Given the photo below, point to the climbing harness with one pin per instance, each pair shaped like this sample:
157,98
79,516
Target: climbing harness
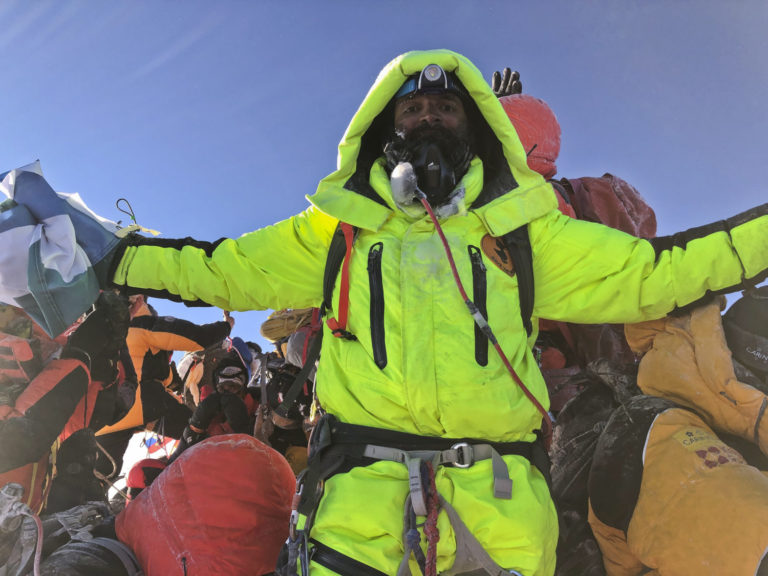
336,448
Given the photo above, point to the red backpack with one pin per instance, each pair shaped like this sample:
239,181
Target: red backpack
221,508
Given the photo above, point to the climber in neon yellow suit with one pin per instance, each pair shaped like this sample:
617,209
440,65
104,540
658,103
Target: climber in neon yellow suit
411,369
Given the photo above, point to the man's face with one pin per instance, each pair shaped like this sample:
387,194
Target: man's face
444,110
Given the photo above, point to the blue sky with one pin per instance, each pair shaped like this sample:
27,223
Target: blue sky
216,118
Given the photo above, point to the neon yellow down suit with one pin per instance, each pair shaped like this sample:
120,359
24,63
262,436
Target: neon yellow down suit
429,381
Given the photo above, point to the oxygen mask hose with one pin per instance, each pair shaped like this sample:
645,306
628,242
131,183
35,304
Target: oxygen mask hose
482,323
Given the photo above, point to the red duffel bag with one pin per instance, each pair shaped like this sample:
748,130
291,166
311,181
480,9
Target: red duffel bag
221,508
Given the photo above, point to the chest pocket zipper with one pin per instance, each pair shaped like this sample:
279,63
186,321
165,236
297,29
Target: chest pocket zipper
377,305
479,297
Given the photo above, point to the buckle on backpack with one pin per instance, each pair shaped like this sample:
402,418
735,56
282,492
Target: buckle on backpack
294,519
464,455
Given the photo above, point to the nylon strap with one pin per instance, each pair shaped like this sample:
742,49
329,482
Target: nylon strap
411,540
263,380
335,447
416,487
519,245
470,556
315,326
336,252
339,324
760,414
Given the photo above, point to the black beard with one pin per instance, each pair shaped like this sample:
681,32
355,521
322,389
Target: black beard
435,142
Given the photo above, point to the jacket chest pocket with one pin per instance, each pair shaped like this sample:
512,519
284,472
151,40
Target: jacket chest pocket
377,305
479,297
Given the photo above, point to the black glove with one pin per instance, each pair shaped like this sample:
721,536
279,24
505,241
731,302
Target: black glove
205,412
105,268
201,418
190,437
104,328
507,83
102,335
235,413
126,398
116,308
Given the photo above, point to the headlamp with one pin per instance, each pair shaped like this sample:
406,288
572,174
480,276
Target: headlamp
431,80
433,77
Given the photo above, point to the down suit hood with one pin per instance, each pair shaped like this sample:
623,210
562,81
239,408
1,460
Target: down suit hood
511,194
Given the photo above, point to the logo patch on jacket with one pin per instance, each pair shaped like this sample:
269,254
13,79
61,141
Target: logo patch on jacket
708,447
498,253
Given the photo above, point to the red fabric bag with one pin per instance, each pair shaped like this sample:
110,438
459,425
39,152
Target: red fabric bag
222,508
613,202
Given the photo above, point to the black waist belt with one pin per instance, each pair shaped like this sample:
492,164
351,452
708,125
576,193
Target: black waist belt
336,448
353,435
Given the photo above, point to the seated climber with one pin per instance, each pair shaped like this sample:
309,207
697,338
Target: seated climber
49,395
679,480
225,405
151,341
290,405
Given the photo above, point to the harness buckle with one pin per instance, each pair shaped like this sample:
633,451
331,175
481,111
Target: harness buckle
465,456
346,334
294,519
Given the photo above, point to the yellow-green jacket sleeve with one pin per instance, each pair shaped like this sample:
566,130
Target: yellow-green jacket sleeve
589,273
274,267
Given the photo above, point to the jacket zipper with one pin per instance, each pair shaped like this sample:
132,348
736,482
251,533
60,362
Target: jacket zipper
479,297
377,305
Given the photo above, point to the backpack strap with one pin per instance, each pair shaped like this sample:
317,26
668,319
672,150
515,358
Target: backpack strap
564,203
339,253
519,246
338,257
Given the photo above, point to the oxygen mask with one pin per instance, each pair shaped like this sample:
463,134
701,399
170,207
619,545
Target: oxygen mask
433,173
438,156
